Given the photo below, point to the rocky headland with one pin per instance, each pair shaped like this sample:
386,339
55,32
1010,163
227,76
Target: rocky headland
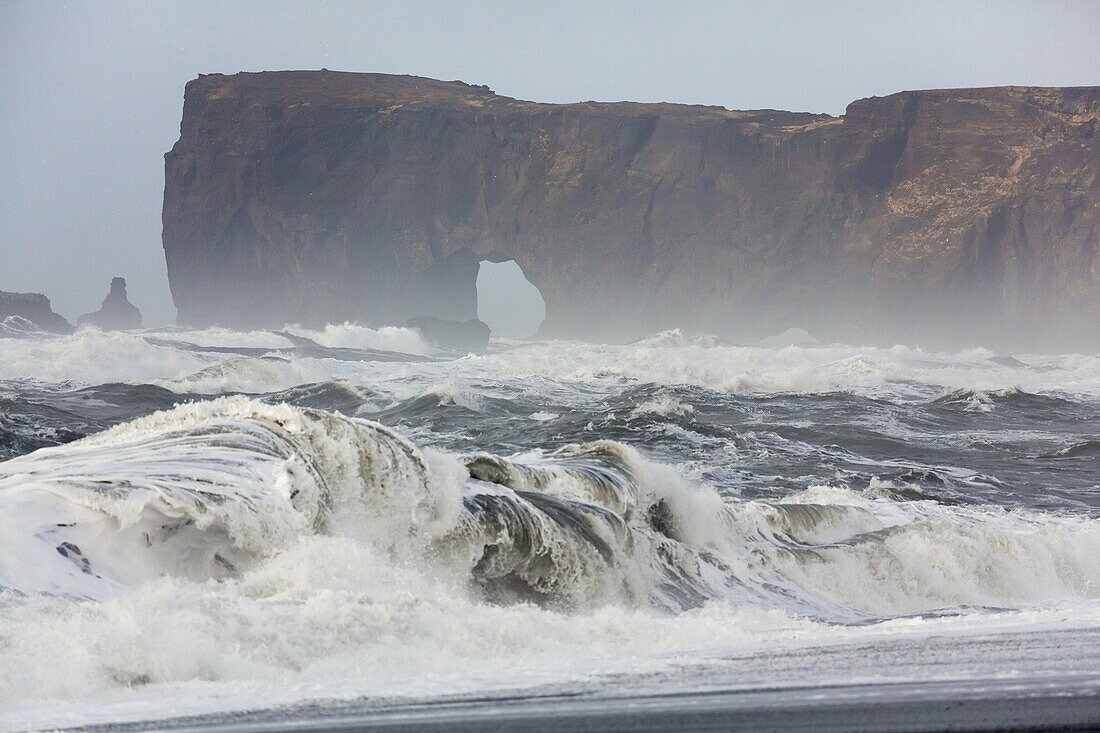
35,308
943,217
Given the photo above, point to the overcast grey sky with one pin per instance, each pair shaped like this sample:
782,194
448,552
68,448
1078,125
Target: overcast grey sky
91,92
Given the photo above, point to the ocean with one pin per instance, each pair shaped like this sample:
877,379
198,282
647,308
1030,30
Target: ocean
226,528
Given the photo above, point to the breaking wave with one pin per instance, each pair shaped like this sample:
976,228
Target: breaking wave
18,327
211,490
975,400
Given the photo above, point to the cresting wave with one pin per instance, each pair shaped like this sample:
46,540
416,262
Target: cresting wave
218,490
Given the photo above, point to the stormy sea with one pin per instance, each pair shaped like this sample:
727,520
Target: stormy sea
305,527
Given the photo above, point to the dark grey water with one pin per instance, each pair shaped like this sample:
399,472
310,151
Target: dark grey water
1009,448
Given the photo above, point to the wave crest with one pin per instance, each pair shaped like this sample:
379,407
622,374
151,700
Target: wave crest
213,489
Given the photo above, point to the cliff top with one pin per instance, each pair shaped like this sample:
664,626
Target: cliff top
341,89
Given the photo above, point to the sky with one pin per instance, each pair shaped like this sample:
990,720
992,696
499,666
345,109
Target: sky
506,301
91,93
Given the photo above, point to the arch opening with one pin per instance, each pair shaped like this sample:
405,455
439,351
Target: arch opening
507,301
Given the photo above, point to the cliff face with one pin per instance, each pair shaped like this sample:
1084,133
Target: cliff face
941,217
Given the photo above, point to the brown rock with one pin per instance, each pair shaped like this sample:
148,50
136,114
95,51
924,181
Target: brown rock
943,217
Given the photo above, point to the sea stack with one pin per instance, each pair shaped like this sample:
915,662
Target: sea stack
116,313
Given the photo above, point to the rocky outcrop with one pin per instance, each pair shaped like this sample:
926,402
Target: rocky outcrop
943,217
472,335
116,313
33,307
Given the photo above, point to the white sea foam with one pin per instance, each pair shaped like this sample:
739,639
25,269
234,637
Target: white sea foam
663,406
355,336
671,359
886,558
91,356
341,335
329,619
218,337
544,416
94,357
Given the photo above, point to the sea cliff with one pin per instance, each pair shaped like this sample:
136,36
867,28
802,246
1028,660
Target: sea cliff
943,217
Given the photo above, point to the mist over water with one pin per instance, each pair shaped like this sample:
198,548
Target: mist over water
211,520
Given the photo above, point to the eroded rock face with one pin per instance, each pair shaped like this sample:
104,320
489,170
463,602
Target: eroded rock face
943,217
116,313
33,307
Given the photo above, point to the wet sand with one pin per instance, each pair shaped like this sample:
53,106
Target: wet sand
984,705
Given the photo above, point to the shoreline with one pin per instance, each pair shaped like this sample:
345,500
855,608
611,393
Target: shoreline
980,705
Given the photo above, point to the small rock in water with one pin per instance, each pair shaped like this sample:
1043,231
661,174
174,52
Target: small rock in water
471,335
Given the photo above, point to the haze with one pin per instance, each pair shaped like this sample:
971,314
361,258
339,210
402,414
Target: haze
91,94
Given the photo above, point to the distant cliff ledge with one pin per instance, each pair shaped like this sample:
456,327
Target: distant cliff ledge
940,217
